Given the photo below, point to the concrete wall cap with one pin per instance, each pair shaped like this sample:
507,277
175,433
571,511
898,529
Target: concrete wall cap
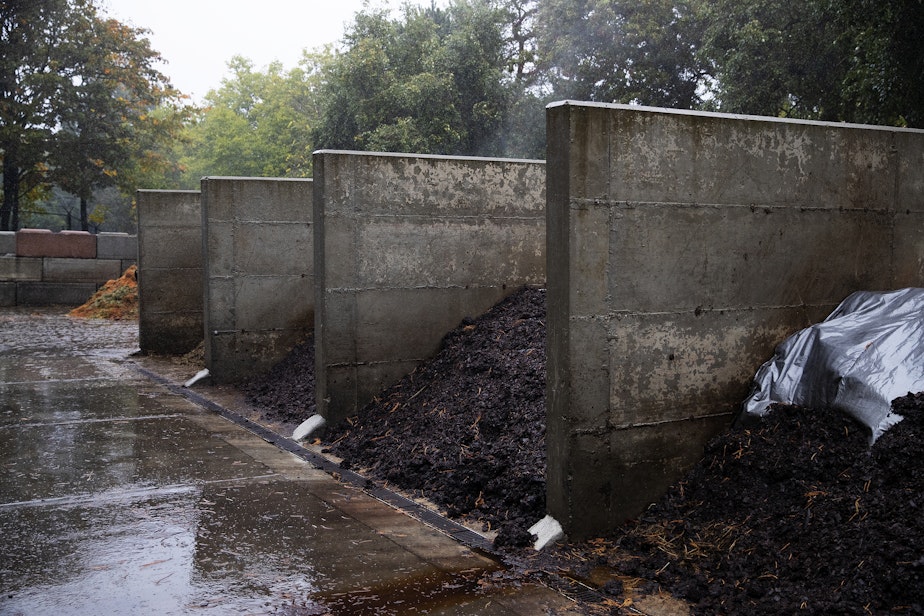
729,116
434,157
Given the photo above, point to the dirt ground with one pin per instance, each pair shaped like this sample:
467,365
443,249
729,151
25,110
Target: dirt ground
797,514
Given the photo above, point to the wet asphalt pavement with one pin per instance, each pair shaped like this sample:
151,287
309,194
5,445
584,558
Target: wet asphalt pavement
119,495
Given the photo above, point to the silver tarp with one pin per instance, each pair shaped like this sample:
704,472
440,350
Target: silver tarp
868,352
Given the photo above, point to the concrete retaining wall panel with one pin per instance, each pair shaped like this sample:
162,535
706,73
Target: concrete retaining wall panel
81,270
184,295
251,254
14,268
120,246
171,333
385,184
178,247
266,299
7,242
407,246
424,316
263,347
682,247
909,241
765,252
170,273
54,293
450,251
259,272
711,160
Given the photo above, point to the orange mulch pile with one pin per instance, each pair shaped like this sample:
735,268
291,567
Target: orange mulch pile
116,300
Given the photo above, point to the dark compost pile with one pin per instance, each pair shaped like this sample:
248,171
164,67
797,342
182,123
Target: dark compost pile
794,514
467,429
286,393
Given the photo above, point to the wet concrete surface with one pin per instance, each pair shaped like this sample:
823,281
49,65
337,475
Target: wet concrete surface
118,495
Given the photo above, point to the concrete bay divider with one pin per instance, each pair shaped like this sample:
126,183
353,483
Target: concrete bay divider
169,271
259,276
682,248
406,246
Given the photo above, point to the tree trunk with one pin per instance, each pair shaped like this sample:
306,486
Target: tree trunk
84,219
9,210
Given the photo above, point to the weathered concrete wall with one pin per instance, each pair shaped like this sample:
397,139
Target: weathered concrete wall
170,279
682,248
405,248
42,268
259,276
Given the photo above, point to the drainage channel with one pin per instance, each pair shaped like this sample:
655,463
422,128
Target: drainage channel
565,585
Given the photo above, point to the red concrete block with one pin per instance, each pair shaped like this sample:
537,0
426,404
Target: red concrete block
44,243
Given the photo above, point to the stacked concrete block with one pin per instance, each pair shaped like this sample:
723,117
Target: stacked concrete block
15,271
405,248
44,243
682,248
120,246
7,243
259,276
170,278
40,267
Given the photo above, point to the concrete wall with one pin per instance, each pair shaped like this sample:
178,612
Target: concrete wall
41,268
406,247
259,276
169,271
682,248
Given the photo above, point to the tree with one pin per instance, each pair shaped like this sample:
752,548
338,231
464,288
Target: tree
33,71
257,123
430,82
625,51
836,60
82,104
774,58
110,112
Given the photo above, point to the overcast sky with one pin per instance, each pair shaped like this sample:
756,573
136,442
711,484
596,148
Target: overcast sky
198,37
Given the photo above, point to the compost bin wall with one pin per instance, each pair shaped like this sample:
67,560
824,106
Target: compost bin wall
682,247
169,271
259,273
407,246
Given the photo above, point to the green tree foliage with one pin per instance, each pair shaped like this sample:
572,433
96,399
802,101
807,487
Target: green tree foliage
114,114
80,102
429,82
837,60
256,124
624,51
32,74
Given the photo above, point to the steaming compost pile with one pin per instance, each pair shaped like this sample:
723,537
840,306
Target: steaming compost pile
794,513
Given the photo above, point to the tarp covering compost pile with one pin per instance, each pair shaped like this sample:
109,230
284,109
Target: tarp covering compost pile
868,352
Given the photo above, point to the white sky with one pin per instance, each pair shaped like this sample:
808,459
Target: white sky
198,37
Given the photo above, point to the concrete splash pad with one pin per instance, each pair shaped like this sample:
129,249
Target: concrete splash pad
120,496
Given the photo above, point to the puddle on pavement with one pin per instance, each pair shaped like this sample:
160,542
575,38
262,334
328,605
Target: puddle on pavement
62,459
267,547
